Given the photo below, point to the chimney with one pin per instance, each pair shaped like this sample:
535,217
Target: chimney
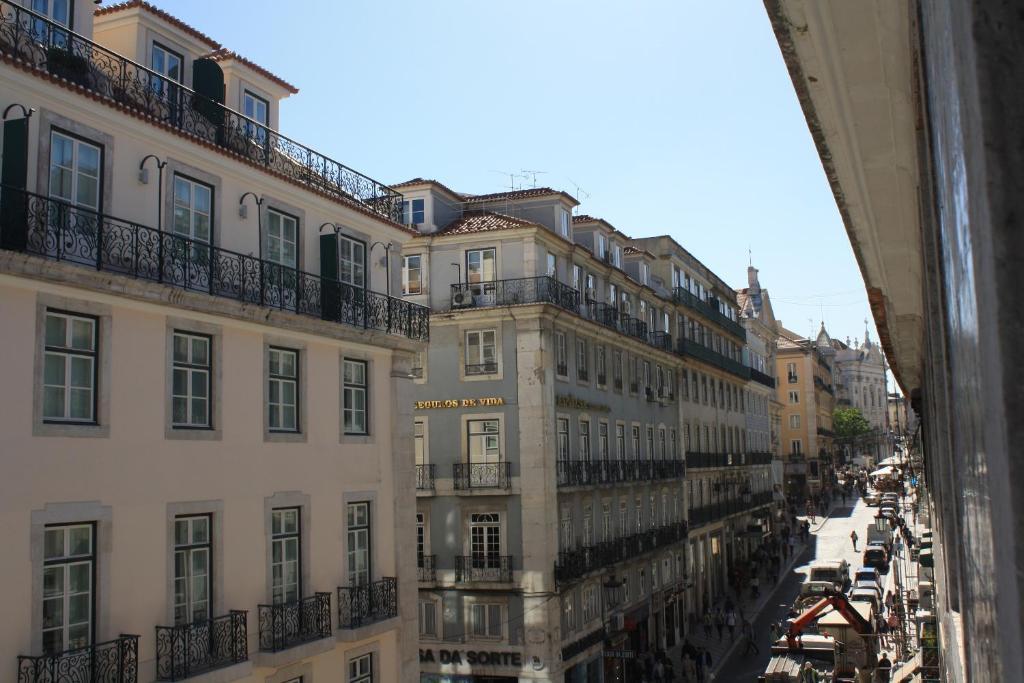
752,282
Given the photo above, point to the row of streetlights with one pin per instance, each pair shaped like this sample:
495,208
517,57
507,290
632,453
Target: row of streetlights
161,164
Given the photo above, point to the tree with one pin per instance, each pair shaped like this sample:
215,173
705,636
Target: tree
849,423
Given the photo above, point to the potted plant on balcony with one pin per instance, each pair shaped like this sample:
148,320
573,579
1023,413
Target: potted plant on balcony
60,61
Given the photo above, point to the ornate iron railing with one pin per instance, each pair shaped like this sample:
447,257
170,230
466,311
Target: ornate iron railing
487,568
713,512
426,568
288,624
525,290
762,378
476,475
368,603
187,650
115,661
602,313
661,340
52,48
820,383
685,298
482,368
688,347
574,564
425,477
61,231
600,472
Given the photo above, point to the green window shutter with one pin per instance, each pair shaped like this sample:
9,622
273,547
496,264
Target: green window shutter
14,175
330,287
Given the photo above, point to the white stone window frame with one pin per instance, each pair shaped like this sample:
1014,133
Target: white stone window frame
468,602
214,509
560,344
299,435
406,291
214,432
300,501
371,395
464,332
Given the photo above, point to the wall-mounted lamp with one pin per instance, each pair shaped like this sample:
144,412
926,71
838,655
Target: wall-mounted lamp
387,263
144,179
243,213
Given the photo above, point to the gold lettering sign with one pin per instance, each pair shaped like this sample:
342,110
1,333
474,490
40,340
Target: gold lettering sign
566,401
459,403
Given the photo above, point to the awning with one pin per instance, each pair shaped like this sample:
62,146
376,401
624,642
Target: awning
883,472
892,460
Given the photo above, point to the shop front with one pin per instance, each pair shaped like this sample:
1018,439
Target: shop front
445,665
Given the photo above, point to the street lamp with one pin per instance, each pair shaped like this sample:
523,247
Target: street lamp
387,262
144,179
259,217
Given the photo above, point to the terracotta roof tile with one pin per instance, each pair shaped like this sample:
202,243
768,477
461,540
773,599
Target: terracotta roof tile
223,54
517,194
584,218
428,181
170,19
485,221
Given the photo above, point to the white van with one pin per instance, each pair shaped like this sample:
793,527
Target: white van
836,571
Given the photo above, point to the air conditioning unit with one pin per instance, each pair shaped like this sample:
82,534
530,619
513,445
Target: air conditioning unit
462,299
487,299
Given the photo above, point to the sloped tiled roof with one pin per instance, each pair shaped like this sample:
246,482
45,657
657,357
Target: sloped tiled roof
156,11
223,54
485,221
428,181
517,194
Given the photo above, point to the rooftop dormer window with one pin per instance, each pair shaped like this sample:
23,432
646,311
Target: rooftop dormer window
58,11
602,247
616,255
414,212
563,225
643,273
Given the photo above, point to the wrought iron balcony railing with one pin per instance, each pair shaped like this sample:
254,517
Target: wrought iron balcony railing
52,48
188,650
368,603
762,378
661,340
820,383
482,475
426,568
688,347
601,472
525,290
702,460
709,311
288,624
425,477
574,564
483,568
55,229
712,512
115,661
602,313
482,368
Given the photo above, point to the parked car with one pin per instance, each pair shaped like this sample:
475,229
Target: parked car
867,595
867,575
836,571
872,498
868,586
876,556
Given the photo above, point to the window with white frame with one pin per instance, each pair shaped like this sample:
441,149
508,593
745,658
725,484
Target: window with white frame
662,446
794,397
577,277
75,166
481,358
601,363
563,439
57,11
69,367
352,256
428,619
485,540
193,212
419,441
569,610
481,269
169,65
485,620
617,368
360,669
585,440
796,446
552,269
602,440
191,380
635,432
582,366
794,422
69,580
606,521
412,274
589,603
623,517
484,441
566,538
358,530
282,239
355,397
285,562
256,108
561,355
563,223
650,443
283,390
192,568
620,441
414,212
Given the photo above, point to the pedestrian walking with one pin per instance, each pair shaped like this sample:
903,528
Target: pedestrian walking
703,663
719,623
707,623
883,670
890,599
853,537
730,621
808,674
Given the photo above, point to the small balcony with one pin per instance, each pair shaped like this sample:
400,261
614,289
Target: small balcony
582,374
115,661
426,568
762,378
482,475
513,292
483,568
289,624
489,368
709,311
188,650
425,477
367,604
661,340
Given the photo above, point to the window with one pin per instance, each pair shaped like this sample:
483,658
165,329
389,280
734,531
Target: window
69,368
795,446
639,513
791,372
428,619
601,246
606,521
191,375
485,540
360,669
650,443
58,11
358,523
647,375
193,209
285,583
552,270
673,444
481,267
581,360
564,223
283,390
566,539
168,64
75,171
352,254
484,441
620,441
589,604
576,277
569,611
355,397
421,539
662,445
617,369
601,362
69,570
480,352
602,440
623,517
413,212
191,569
794,397
561,359
563,439
412,267
257,109
282,239
794,422
485,620
585,440
636,442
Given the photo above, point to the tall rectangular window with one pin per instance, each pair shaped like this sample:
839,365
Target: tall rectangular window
563,223
650,443
662,446
601,363
360,669
421,539
481,268
606,521
69,570
69,368
191,380
561,355
585,440
563,439
582,366
480,352
412,278
282,239
169,65
413,212
358,524
75,166
419,442
485,540
485,620
354,397
617,368
636,442
577,278
285,562
283,390
192,569
794,397
552,269
352,255
193,210
484,440
794,422
428,619
258,109
602,440
620,441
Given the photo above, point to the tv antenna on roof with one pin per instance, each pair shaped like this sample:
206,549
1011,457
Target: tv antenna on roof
512,177
532,175
580,195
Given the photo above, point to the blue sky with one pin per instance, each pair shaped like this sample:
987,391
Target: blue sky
672,117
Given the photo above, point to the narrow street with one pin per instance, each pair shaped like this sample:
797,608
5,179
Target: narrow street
830,540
